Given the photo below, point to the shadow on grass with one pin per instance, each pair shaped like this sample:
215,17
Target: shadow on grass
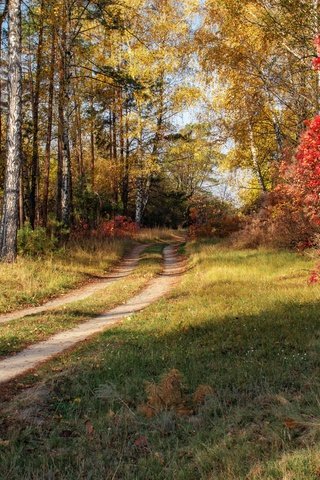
263,368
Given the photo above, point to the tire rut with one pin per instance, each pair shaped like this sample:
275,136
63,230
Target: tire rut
31,357
127,265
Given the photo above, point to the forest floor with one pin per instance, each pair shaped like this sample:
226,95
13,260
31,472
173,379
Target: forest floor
241,330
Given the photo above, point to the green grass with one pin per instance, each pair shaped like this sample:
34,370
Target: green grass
244,322
17,334
30,281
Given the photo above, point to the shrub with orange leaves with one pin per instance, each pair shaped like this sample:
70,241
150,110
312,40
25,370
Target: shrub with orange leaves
280,222
118,227
210,216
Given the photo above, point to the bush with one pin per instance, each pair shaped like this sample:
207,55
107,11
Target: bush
279,223
209,216
119,227
35,242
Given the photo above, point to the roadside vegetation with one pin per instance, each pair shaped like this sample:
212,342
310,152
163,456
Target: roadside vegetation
17,334
36,277
231,357
33,279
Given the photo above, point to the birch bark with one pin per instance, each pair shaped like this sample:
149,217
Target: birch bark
10,209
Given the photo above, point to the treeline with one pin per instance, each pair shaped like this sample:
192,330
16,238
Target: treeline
90,91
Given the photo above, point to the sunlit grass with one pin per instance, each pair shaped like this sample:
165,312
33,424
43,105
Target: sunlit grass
244,322
17,334
30,281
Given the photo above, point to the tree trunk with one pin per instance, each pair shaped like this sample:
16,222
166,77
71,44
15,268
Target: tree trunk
123,162
65,195
279,137
2,18
35,142
126,178
10,211
139,200
92,147
78,136
142,180
317,32
46,179
115,148
255,160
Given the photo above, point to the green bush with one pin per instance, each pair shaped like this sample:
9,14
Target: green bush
35,242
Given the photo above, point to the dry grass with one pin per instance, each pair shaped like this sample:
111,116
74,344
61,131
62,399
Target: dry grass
18,334
159,235
31,281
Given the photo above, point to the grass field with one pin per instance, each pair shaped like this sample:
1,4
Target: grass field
243,324
17,334
32,280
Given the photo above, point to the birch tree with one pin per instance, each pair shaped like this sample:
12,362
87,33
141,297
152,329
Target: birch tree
10,209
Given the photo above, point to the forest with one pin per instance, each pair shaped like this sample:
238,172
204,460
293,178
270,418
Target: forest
159,239
168,113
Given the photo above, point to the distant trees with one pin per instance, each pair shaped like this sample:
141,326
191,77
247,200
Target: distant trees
258,55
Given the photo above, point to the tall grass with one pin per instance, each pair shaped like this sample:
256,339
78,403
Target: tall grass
18,334
31,280
159,235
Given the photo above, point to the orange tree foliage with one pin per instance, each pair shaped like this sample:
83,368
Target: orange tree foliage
210,216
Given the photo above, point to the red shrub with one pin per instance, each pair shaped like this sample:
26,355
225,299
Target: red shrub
119,227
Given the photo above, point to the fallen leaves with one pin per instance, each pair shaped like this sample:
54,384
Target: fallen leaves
89,428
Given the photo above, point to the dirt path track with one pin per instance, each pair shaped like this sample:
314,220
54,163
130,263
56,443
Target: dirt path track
126,266
34,355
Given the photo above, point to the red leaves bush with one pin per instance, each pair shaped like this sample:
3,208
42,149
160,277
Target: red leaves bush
290,215
118,227
302,179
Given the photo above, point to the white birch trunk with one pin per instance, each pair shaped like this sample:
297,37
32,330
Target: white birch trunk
10,210
255,157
